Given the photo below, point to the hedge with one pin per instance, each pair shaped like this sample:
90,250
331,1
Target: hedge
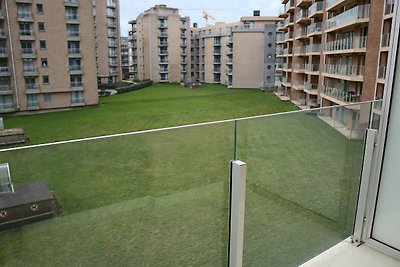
134,87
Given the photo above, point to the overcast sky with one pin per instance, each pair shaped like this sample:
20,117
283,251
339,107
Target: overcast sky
222,10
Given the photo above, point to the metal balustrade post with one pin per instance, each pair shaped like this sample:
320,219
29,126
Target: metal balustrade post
237,211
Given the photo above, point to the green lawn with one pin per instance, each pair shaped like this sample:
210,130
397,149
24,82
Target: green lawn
157,106
161,199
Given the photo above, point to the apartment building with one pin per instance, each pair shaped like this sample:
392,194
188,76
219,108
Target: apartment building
50,53
333,52
240,54
107,39
125,57
160,41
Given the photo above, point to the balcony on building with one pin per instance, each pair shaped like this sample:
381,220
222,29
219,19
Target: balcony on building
313,49
30,71
381,74
163,43
337,4
356,44
4,71
339,96
311,88
298,68
24,16
312,69
3,52
74,3
344,72
72,18
286,82
26,34
5,89
111,4
183,44
288,37
303,3
288,52
281,25
111,13
389,8
349,18
2,33
76,85
1,14
385,42
32,88
316,9
163,51
163,70
302,16
298,85
314,29
229,71
289,22
300,34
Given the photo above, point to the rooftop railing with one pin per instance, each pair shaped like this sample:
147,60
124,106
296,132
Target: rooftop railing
134,194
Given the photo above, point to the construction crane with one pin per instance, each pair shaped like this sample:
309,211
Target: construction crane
207,16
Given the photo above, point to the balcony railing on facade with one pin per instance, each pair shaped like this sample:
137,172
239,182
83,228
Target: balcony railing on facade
312,69
286,66
382,73
349,43
351,71
301,16
333,3
288,36
303,3
389,7
311,88
289,21
314,29
25,15
313,48
298,84
316,8
298,68
3,52
71,2
340,94
300,33
5,89
2,33
385,40
287,51
355,15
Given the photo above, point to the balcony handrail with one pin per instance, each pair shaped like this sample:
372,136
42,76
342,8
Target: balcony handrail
346,43
344,70
314,8
357,12
340,94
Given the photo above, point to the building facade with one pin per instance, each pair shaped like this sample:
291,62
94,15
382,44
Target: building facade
240,55
333,52
107,40
47,55
125,47
160,45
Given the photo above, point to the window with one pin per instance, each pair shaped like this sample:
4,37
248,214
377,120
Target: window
30,83
71,13
73,47
270,34
28,65
39,8
47,97
76,80
43,44
249,24
45,64
31,100
74,64
72,30
269,45
77,97
46,79
41,26
25,29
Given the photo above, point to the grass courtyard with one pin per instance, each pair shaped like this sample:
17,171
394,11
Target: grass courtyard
161,199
